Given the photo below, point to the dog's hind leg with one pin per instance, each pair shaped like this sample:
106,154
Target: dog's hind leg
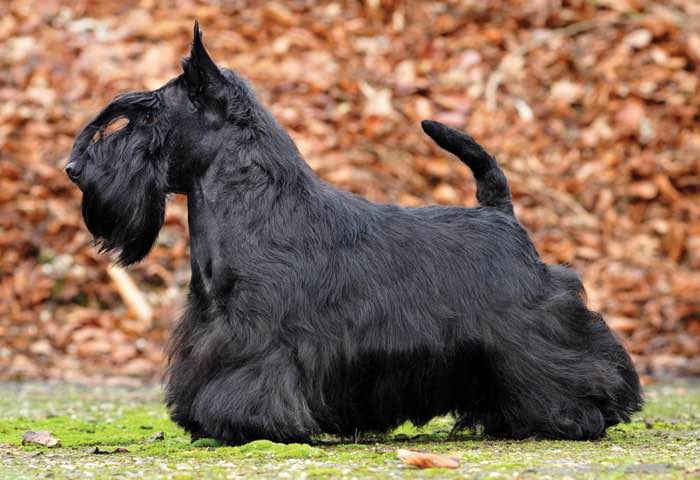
532,400
561,374
570,389
528,400
259,400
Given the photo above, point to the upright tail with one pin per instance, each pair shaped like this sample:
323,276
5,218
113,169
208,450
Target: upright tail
491,183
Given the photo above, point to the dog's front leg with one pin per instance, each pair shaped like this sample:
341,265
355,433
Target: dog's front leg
261,399
192,362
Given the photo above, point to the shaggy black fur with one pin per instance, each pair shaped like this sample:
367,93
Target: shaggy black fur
314,310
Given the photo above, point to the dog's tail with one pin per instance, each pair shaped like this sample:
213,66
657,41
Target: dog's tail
491,184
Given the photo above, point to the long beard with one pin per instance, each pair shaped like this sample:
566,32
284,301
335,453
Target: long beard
124,185
124,220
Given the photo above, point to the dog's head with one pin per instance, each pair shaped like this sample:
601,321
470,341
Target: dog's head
146,144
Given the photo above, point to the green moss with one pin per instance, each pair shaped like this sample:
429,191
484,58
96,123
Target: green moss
661,442
207,443
279,450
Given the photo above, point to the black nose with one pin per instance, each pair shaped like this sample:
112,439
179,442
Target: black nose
73,170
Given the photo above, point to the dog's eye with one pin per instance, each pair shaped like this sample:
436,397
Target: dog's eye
148,117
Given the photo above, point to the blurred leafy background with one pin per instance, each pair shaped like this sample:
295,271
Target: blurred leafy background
591,106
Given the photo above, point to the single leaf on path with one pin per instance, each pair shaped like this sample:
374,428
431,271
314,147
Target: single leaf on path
426,460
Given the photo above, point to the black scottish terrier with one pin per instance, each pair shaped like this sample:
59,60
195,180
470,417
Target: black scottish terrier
313,310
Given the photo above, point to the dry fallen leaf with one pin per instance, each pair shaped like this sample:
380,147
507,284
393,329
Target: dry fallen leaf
278,13
42,437
426,460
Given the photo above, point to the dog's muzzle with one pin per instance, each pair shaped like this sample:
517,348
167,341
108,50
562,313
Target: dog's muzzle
73,170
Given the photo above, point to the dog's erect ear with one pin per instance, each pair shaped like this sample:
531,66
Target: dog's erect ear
201,73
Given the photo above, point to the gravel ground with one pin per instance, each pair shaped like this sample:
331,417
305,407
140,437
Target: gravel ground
663,441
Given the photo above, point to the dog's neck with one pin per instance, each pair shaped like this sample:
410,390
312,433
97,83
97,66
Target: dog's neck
250,191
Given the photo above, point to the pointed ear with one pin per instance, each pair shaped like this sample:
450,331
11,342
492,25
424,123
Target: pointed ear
201,73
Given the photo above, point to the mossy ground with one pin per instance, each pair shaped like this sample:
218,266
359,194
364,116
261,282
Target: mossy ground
662,442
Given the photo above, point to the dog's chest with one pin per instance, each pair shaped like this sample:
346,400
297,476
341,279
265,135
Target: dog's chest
206,256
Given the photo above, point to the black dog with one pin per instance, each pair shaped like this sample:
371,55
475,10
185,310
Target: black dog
313,310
